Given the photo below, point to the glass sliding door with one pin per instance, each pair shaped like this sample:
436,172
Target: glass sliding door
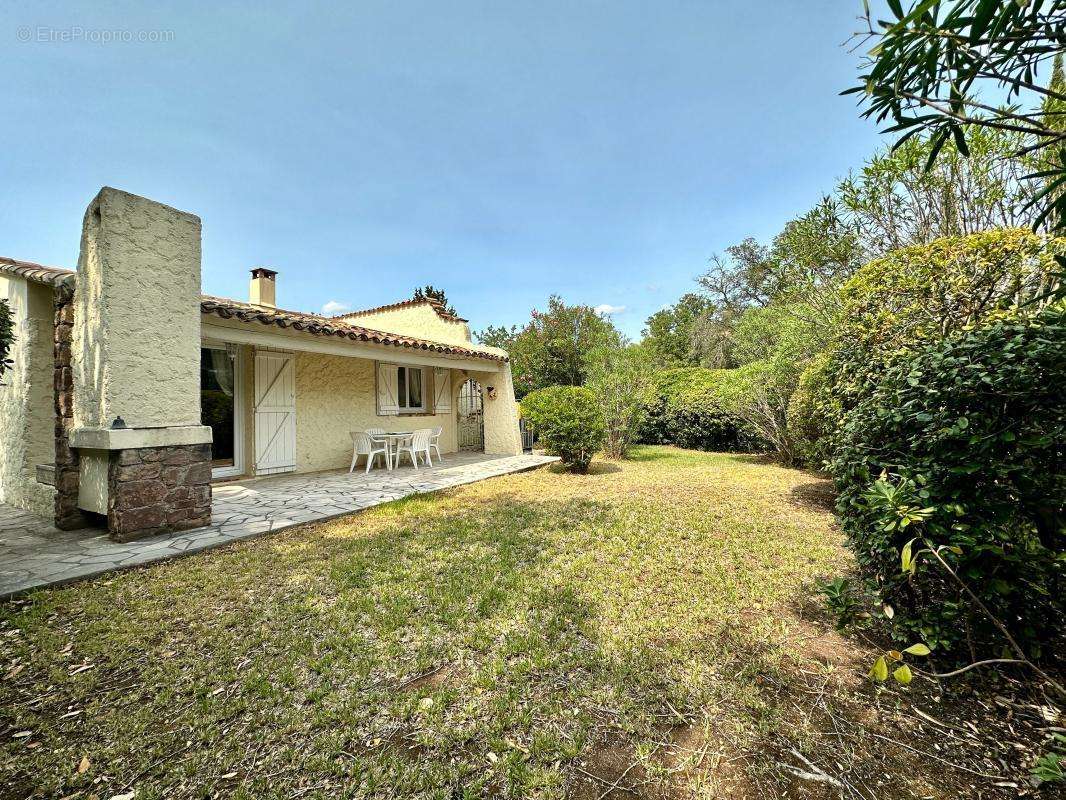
219,407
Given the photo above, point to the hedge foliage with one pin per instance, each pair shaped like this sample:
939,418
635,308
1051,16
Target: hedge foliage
569,423
961,441
683,408
919,294
808,420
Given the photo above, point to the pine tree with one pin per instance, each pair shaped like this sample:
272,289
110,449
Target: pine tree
436,296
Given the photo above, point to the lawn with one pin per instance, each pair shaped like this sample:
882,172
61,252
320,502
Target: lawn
644,630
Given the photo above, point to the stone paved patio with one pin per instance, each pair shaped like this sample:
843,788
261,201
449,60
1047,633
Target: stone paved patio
33,554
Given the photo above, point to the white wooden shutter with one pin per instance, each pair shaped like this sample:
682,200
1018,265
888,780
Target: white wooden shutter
442,390
386,380
275,412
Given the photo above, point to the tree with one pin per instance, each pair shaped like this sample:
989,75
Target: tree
436,296
668,335
814,253
895,201
555,348
498,336
1054,110
773,346
800,271
928,67
619,377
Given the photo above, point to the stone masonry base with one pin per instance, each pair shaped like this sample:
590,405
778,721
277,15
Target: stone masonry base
158,489
67,515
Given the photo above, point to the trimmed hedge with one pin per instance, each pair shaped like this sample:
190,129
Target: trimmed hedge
683,409
568,422
966,436
920,294
907,299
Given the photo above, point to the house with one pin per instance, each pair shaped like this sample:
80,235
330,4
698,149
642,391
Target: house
131,392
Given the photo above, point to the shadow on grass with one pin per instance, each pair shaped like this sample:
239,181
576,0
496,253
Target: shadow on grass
817,494
761,459
646,453
595,468
603,468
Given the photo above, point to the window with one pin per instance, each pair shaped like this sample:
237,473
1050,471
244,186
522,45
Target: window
409,389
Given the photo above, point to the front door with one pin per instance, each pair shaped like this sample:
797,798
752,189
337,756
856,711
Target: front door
471,417
220,401
275,412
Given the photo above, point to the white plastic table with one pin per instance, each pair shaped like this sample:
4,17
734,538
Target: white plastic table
392,439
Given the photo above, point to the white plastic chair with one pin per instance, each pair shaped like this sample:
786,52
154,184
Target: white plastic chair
417,444
365,446
434,440
378,436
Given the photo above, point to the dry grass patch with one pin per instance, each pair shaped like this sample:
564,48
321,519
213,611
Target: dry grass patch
636,632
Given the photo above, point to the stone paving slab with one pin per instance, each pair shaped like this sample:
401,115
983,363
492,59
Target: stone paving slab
34,554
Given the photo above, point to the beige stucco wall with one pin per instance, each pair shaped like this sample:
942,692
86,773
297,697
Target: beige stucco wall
27,410
335,395
137,314
419,321
500,415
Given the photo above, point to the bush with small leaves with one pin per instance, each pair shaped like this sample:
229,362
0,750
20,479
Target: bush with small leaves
916,296
963,443
807,418
683,408
568,422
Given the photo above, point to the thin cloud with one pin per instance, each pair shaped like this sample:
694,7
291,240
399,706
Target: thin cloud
605,309
334,307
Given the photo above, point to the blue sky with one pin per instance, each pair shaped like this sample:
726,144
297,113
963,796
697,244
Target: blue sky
504,151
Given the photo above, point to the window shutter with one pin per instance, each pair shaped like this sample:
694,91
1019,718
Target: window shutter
386,390
442,391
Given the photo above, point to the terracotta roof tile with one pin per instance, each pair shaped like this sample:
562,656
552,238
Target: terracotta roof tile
403,304
330,326
37,273
246,312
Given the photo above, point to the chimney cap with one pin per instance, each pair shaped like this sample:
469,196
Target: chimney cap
263,272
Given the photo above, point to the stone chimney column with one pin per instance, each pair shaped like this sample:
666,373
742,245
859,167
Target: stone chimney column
145,459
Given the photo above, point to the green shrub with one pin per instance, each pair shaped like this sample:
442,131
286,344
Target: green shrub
807,419
568,422
961,443
619,378
683,408
773,344
920,294
757,394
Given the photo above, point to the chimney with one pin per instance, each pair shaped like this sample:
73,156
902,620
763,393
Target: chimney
262,289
